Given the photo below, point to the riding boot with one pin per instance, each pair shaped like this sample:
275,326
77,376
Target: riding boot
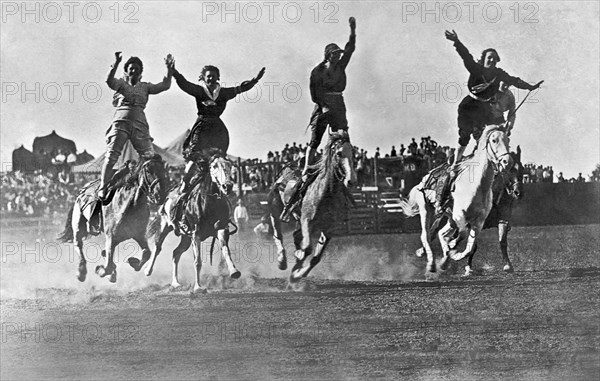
107,174
440,194
190,170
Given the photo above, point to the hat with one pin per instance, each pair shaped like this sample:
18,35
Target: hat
332,48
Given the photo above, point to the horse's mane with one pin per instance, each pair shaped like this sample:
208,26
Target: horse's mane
463,164
127,176
324,163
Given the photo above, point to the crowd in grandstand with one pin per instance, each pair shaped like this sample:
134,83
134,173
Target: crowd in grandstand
44,193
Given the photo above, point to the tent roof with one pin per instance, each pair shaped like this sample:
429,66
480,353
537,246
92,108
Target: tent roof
129,153
53,141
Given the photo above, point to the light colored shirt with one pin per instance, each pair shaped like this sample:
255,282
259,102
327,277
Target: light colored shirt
137,95
240,213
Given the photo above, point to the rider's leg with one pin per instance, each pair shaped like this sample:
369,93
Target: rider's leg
190,169
115,141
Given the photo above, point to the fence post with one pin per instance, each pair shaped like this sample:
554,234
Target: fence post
375,170
239,177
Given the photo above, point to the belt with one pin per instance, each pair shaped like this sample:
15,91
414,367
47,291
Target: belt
479,98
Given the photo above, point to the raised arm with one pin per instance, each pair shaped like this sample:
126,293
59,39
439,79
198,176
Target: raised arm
230,92
185,85
462,50
166,82
350,45
111,81
518,82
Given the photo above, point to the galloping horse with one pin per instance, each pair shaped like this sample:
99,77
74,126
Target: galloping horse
207,210
506,189
125,217
325,196
472,196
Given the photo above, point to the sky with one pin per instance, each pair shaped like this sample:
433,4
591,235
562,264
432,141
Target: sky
405,79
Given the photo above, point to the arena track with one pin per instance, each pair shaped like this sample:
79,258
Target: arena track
367,312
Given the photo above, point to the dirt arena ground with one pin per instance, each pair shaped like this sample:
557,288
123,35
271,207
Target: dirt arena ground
366,313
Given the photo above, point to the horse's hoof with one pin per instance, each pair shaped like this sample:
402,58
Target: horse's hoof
81,276
135,263
300,255
175,286
113,277
508,269
235,275
420,252
197,290
148,271
103,253
101,271
431,268
444,264
468,271
282,262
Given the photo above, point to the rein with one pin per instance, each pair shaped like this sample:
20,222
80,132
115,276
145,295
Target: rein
494,155
147,187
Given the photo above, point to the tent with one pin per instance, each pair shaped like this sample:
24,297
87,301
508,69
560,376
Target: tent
129,153
84,157
50,145
23,160
176,147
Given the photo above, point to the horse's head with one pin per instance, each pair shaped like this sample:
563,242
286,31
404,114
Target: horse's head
153,179
220,172
514,180
342,158
496,147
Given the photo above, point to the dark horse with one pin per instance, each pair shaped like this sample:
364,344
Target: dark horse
125,217
507,188
207,210
326,197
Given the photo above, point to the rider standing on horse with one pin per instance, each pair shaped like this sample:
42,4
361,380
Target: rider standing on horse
209,131
475,110
327,82
129,122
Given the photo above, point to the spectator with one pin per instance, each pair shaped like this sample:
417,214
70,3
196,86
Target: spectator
240,215
393,153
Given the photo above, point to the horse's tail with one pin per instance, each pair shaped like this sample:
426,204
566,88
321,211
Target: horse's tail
409,205
67,235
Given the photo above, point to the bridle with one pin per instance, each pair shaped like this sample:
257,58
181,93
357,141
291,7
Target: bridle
493,154
147,187
214,177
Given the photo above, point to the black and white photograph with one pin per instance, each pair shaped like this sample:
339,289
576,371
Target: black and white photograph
300,190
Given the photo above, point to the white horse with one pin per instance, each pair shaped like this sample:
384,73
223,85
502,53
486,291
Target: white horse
472,194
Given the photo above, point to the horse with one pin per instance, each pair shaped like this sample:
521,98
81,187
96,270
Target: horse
125,217
472,195
326,195
207,210
506,189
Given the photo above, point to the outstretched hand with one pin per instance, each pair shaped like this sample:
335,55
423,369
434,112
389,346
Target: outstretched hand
170,62
452,36
352,22
260,74
118,57
537,85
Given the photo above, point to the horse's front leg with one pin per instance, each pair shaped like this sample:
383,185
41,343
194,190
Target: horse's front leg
223,236
503,229
197,244
165,229
303,249
82,269
135,263
184,244
318,254
109,269
425,241
278,238
445,235
469,251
